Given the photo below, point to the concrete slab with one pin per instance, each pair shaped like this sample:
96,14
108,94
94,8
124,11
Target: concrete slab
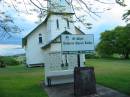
66,90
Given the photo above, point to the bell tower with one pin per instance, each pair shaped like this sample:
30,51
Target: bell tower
60,18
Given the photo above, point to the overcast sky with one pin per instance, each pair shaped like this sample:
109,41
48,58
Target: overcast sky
108,20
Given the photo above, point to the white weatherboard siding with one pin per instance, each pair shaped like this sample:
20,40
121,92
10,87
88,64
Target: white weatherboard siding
53,61
52,29
34,53
55,47
53,67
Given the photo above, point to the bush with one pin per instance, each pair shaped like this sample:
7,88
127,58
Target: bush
21,59
91,56
2,65
10,61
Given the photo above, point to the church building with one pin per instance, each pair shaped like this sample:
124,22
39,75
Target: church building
43,44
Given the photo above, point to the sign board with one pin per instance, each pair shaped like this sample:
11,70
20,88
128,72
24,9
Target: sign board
77,43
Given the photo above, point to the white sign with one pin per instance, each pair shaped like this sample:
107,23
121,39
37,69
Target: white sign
77,43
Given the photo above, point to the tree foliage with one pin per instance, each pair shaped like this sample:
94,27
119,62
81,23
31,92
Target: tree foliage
126,16
9,61
115,41
87,7
7,25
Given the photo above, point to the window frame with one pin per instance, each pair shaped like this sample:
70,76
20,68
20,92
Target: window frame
57,24
40,40
68,24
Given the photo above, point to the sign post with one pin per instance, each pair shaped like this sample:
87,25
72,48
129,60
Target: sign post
78,59
84,78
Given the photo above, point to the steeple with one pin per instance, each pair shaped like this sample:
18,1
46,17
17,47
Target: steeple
59,6
60,18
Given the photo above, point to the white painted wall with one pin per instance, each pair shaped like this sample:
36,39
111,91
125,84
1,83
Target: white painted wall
52,29
53,67
56,47
53,61
34,53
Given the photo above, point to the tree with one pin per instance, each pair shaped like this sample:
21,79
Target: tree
126,16
40,6
105,47
7,26
123,41
115,41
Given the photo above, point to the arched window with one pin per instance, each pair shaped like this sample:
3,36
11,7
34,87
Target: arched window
57,23
40,38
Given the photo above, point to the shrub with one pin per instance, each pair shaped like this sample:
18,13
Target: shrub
91,56
10,61
21,59
2,64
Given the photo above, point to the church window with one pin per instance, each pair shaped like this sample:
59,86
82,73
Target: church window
40,38
68,24
57,23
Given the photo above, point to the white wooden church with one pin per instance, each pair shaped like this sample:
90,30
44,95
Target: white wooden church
43,44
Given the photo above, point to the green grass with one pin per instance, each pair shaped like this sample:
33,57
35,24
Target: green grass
112,73
18,81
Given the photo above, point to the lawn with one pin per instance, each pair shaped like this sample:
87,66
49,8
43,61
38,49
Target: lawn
112,73
19,81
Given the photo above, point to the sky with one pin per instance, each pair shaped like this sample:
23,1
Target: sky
107,21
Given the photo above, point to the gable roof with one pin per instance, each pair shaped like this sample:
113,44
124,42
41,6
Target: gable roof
80,30
48,44
24,40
